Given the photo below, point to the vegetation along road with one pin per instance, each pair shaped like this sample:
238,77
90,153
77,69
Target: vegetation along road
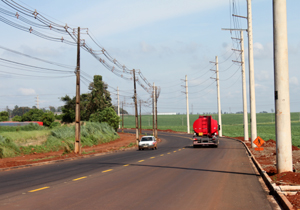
176,176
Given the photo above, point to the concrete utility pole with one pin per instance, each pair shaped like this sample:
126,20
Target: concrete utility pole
136,111
154,109
251,76
218,95
118,105
242,62
187,105
282,92
77,148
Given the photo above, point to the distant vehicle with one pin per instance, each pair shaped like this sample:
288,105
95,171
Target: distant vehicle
148,142
206,131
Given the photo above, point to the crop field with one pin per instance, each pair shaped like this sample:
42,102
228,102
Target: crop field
232,124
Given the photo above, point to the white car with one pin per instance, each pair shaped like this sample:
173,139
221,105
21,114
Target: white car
148,142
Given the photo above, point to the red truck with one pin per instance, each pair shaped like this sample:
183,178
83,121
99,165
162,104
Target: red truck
205,131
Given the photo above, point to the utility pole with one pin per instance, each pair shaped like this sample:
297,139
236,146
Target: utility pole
136,111
77,148
218,95
187,105
140,117
118,105
154,109
282,93
122,117
242,62
251,76
37,102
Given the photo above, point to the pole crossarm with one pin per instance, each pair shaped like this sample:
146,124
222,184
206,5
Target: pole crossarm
239,16
234,29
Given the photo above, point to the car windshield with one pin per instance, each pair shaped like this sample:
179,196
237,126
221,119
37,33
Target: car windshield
146,139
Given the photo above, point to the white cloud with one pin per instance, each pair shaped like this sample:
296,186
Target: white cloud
261,51
27,91
146,48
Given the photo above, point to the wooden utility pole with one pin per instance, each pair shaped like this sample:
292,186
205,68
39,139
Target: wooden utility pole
154,109
122,117
282,92
118,105
140,117
77,148
156,112
136,111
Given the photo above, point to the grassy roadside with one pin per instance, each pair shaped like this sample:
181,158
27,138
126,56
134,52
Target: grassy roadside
55,139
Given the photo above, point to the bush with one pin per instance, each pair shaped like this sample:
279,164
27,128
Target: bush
58,117
54,124
47,118
29,127
107,115
8,148
17,118
3,116
33,115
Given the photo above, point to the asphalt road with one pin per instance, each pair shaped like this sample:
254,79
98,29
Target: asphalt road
176,176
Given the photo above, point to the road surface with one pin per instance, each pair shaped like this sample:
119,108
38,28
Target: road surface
176,176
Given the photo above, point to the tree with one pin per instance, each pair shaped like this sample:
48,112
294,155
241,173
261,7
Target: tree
100,96
47,118
33,115
107,115
20,110
17,118
3,116
52,108
90,103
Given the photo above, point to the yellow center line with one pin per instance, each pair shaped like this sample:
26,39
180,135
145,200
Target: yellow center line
141,161
169,153
174,151
152,157
126,165
162,155
179,149
107,170
183,148
79,178
38,189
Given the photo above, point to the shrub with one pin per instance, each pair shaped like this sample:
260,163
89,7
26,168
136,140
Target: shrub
107,115
47,118
3,116
54,124
17,118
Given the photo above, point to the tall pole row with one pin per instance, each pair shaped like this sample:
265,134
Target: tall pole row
77,148
219,98
246,135
282,92
187,105
251,76
136,110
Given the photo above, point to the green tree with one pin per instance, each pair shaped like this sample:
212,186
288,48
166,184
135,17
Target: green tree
3,116
33,115
100,96
47,118
17,118
107,115
20,110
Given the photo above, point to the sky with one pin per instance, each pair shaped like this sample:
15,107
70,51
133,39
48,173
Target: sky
166,40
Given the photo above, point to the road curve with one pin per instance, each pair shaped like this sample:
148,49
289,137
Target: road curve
176,176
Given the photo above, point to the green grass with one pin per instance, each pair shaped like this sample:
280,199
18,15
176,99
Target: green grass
55,139
21,138
232,124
